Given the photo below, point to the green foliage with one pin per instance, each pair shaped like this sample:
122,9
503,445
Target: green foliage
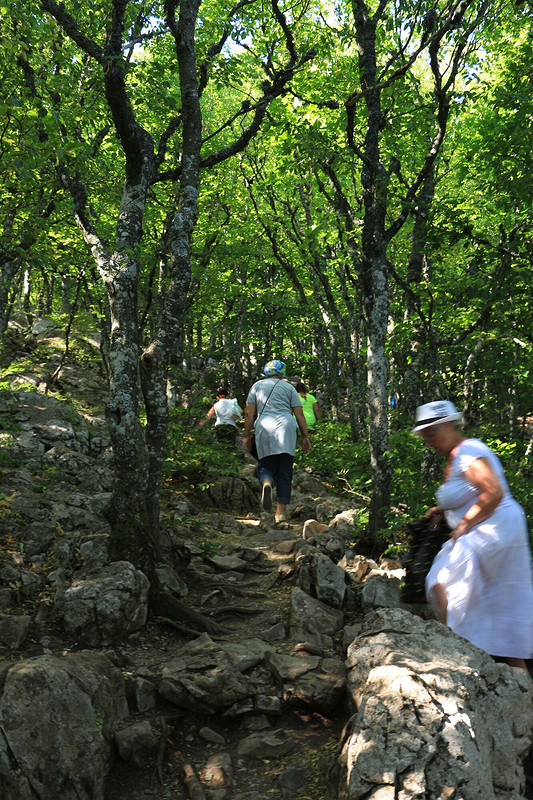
275,266
193,454
411,492
337,460
48,477
346,466
511,454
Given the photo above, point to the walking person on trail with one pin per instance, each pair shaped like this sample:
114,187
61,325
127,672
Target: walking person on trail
279,415
480,582
310,406
226,411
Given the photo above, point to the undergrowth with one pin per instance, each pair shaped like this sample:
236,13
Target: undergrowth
193,454
345,466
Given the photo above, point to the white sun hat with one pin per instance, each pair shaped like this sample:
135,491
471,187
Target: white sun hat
435,413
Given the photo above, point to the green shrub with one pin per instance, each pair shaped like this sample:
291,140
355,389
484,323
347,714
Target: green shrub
193,454
345,465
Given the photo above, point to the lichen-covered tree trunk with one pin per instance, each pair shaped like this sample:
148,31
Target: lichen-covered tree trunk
438,37
155,358
8,269
128,509
378,373
374,272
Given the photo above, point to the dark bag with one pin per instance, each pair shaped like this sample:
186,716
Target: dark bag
253,447
426,537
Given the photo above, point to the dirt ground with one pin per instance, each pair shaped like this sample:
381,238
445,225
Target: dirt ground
182,746
181,742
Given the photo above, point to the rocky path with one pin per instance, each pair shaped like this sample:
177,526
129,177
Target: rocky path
245,754
262,727
253,709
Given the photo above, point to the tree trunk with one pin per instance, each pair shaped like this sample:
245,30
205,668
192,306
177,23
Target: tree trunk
8,270
374,274
468,380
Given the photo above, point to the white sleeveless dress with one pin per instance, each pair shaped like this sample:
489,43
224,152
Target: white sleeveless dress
487,572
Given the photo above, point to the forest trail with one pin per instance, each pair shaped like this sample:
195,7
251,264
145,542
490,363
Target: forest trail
195,746
241,576
247,604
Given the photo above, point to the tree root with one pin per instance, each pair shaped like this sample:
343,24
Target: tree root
178,626
263,570
166,605
243,610
161,752
247,592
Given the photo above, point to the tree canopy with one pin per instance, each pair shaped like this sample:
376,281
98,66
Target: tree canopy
344,186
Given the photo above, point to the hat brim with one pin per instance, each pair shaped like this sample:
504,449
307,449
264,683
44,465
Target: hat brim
423,425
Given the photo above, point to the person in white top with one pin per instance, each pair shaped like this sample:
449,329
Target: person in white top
480,582
226,411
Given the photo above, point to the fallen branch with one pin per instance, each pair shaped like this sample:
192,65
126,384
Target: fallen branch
351,490
192,783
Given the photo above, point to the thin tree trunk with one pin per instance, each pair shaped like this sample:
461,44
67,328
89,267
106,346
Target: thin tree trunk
468,380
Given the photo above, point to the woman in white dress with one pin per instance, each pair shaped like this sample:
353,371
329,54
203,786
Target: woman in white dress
480,582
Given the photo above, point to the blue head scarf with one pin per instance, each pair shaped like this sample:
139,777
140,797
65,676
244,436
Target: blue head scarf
274,367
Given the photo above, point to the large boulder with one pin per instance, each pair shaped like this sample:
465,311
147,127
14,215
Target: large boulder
435,716
319,577
203,679
309,681
312,620
230,493
57,721
107,605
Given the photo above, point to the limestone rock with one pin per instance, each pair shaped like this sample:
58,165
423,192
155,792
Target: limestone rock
14,629
309,681
204,679
231,494
432,711
381,590
267,745
308,614
57,717
107,605
136,743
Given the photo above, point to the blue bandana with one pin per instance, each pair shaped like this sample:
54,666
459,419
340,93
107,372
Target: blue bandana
274,367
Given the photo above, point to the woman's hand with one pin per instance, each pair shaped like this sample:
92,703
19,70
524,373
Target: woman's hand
247,443
302,424
436,511
460,530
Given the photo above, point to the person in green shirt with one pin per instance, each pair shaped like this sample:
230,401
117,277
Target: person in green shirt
310,406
